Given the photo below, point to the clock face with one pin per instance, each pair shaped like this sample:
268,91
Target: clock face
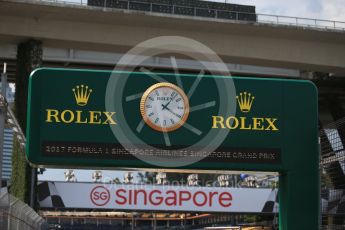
164,107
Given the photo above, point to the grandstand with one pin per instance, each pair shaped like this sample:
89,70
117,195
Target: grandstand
183,7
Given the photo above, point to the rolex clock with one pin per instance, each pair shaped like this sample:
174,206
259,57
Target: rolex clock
164,107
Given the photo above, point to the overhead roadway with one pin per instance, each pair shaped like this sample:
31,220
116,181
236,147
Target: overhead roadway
72,58
116,31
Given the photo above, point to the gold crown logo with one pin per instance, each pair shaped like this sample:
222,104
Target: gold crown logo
245,101
81,94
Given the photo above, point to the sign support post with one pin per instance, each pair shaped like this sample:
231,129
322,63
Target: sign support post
3,112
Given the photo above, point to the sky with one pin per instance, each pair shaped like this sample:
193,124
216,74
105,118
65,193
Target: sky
318,9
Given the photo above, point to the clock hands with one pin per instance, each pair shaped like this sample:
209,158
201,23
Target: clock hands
177,115
166,105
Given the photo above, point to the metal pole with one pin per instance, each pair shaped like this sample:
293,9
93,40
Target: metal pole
132,221
154,221
2,117
32,186
5,220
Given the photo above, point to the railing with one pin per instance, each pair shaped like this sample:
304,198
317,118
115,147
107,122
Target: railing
16,215
211,13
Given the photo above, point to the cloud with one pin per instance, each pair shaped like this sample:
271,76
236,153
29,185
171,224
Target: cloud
334,9
318,9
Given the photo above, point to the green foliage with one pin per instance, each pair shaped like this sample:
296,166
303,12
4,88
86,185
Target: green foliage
251,219
116,181
146,177
181,178
141,177
29,57
326,181
274,184
20,180
150,177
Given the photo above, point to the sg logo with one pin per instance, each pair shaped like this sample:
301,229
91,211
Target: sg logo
100,196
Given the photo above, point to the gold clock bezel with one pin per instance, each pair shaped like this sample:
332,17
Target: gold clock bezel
149,122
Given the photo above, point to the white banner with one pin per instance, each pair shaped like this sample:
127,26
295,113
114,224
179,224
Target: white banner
156,197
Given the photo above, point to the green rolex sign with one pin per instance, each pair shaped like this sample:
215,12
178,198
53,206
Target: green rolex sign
81,118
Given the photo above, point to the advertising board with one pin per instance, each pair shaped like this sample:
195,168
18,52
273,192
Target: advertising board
156,197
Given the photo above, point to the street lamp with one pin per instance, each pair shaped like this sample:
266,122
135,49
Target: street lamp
97,176
70,176
193,180
161,178
128,178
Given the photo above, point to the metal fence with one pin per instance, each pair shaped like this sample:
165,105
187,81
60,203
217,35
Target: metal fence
333,175
248,17
16,215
